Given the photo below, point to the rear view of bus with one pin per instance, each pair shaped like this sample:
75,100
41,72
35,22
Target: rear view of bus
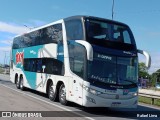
104,54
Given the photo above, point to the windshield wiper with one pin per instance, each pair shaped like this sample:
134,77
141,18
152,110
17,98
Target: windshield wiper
130,81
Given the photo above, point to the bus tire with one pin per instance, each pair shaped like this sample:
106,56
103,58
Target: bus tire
21,84
51,93
17,82
62,95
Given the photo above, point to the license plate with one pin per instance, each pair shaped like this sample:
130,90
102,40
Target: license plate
115,104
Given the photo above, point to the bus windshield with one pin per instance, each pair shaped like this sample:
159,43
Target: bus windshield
113,69
104,30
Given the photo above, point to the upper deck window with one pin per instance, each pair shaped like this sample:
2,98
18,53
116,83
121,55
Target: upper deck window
50,34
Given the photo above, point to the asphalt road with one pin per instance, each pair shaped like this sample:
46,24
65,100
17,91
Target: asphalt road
27,103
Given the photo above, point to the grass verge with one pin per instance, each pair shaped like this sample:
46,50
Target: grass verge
149,100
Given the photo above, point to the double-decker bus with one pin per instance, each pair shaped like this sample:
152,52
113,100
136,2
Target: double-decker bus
82,59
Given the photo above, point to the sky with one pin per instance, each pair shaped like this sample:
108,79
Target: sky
143,17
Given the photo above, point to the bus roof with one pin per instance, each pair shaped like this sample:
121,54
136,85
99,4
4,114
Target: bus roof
93,17
71,18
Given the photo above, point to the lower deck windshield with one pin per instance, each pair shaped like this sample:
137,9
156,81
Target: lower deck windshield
113,69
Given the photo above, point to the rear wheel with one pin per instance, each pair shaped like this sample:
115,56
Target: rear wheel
62,95
51,93
21,84
17,82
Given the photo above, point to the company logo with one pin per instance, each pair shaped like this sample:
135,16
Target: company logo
32,52
19,57
114,86
104,57
125,91
129,53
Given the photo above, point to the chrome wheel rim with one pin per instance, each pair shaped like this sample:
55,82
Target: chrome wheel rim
17,83
63,94
21,83
51,92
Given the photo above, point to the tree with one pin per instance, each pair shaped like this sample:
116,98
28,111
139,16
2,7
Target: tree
142,70
155,77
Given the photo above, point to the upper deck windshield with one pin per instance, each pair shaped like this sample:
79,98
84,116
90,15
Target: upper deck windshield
108,33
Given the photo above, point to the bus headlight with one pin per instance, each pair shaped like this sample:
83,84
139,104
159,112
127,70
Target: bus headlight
92,91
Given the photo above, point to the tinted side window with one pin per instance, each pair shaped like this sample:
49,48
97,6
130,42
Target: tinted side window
54,33
53,66
77,55
51,34
33,65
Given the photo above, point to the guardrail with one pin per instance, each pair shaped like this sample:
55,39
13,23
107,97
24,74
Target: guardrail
150,94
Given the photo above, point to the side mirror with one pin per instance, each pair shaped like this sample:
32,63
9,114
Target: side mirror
88,48
148,57
43,67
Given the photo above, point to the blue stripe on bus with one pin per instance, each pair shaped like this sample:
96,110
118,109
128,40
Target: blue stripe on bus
31,78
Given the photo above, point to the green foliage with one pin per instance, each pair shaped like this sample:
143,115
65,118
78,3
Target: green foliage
144,99
155,77
142,67
142,70
149,100
157,102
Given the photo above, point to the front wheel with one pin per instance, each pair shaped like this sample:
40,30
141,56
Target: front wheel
62,95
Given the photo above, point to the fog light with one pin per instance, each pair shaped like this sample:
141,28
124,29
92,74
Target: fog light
135,94
93,91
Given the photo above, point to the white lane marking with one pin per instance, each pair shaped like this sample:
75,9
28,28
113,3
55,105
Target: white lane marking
48,102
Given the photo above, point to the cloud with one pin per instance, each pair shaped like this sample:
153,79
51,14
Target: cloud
7,32
7,42
33,23
5,48
10,28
